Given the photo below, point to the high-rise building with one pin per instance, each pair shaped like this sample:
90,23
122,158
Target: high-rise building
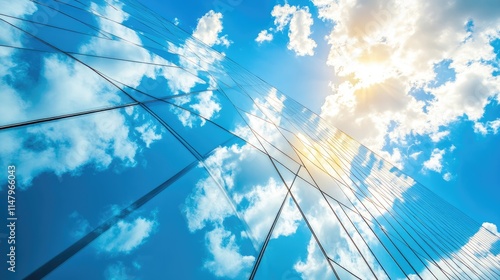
131,150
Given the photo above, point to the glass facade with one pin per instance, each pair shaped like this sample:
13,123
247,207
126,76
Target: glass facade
134,151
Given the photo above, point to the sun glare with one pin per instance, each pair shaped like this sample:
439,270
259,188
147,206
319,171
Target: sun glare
368,74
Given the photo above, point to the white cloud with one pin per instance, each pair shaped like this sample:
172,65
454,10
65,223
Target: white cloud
299,21
125,236
447,176
252,199
206,105
288,221
480,128
65,147
208,29
300,30
435,162
19,8
264,200
200,208
11,101
384,50
495,125
264,36
437,136
148,133
334,239
225,261
316,265
282,15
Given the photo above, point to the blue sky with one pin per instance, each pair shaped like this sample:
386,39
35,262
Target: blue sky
422,93
458,138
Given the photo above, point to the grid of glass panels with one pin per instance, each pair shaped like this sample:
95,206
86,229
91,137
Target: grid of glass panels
141,153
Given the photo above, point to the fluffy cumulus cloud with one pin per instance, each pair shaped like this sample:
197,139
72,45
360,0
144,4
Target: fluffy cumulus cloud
300,32
252,204
126,236
226,260
299,22
262,118
123,237
12,101
208,29
267,199
201,211
288,222
282,15
316,265
435,162
148,133
264,36
206,105
385,52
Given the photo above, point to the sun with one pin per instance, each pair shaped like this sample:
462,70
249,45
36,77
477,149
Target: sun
368,74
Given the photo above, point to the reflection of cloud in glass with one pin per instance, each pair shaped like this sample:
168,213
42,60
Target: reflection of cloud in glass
225,260
263,199
331,234
68,86
289,220
251,198
195,60
148,133
481,244
200,208
126,236
315,266
207,208
265,113
123,237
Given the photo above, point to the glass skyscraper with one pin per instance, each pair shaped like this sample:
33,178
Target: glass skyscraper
130,150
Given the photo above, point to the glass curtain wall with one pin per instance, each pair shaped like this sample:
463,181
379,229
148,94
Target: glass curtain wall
141,153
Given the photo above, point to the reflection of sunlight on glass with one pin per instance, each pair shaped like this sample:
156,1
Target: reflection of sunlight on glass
310,153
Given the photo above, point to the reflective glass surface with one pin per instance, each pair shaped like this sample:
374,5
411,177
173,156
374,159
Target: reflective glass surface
138,152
